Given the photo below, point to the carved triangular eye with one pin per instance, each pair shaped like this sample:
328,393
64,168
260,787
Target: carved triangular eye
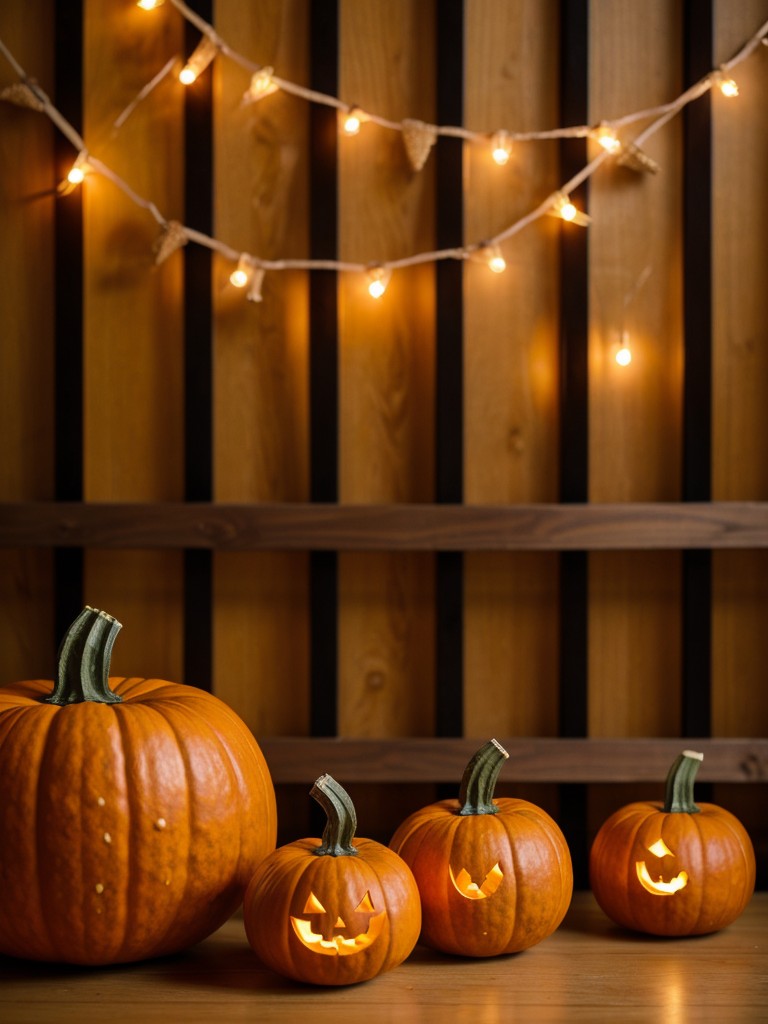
365,905
313,905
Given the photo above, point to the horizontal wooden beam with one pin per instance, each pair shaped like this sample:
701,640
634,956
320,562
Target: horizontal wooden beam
299,526
302,760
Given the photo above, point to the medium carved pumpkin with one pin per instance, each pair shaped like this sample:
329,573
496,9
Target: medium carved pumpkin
494,876
133,812
673,868
336,911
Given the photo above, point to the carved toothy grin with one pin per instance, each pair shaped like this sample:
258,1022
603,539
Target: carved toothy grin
338,945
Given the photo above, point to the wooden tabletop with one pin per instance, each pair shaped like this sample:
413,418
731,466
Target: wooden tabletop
587,971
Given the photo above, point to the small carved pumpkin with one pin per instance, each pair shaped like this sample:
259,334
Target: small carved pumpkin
494,876
673,868
134,811
336,911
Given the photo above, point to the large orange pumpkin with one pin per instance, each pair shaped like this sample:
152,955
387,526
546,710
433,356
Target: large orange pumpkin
673,868
494,876
133,812
332,912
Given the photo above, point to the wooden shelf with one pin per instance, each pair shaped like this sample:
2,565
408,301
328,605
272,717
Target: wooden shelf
411,527
531,759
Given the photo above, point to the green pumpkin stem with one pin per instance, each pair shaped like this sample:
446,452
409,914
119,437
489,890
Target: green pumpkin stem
341,818
679,789
83,662
479,779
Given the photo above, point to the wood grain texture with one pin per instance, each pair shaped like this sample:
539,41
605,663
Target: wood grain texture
261,402
510,360
27,184
635,411
386,352
531,759
133,332
740,374
410,527
587,972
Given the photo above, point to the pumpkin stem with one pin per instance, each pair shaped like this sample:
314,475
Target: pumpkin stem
83,660
341,818
479,779
679,789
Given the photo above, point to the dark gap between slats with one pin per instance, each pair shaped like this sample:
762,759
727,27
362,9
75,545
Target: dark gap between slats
574,421
449,377
323,362
68,320
198,357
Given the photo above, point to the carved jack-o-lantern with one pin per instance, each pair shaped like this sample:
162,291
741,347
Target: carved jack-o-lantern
673,868
336,911
494,876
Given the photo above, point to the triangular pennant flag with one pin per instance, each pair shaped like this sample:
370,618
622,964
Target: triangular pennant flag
635,159
22,96
419,138
173,237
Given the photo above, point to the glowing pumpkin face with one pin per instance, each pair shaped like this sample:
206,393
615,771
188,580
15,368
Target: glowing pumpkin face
336,911
660,887
329,934
673,868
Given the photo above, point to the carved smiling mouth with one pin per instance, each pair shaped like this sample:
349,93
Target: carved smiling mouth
660,887
471,890
338,945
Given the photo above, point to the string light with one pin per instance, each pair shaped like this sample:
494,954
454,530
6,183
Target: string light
149,5
501,147
623,354
241,275
201,57
726,84
352,121
557,204
496,262
606,136
566,210
378,279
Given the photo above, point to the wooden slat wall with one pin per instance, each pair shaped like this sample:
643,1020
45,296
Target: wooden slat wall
386,615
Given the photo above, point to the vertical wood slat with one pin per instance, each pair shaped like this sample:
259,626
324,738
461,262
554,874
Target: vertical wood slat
28,166
510,374
386,378
261,380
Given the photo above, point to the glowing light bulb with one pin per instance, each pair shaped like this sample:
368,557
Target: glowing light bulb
623,351
262,84
607,138
729,88
201,57
378,279
149,5
77,175
501,147
496,262
242,274
353,121
566,210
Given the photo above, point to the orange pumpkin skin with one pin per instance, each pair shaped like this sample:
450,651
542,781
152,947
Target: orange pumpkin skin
336,918
698,881
127,830
518,877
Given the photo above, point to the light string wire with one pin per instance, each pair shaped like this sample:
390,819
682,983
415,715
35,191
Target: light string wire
661,115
